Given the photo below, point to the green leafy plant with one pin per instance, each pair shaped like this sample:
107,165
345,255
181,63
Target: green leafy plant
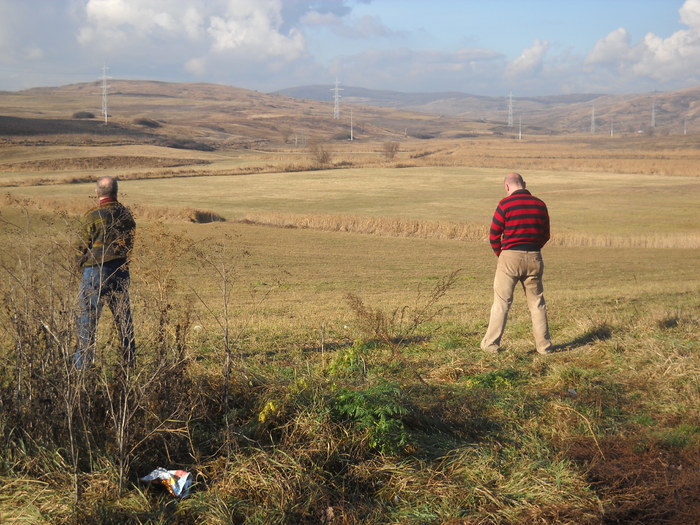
377,410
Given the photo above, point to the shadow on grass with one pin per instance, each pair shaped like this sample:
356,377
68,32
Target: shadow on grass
601,332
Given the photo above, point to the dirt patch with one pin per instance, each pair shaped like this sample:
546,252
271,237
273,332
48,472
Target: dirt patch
642,484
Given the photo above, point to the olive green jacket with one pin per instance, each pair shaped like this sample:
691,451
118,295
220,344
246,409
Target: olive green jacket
107,234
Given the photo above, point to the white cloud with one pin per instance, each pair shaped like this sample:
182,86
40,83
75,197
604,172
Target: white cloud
197,66
690,13
192,22
530,60
669,60
612,49
253,27
116,21
247,27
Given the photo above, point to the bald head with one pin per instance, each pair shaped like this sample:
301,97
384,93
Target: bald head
107,187
513,182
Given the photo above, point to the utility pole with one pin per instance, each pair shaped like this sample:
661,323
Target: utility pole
612,127
593,119
336,98
653,114
520,128
105,91
351,135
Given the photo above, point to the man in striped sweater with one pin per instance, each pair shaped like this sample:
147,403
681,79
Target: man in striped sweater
519,229
102,252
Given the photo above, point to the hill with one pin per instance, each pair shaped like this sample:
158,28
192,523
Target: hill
208,115
673,111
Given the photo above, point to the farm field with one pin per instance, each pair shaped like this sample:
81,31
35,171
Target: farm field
314,357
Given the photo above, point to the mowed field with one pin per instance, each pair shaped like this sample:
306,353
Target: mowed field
605,430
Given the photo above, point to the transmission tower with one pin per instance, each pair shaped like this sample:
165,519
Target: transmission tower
336,99
593,120
352,136
653,114
510,110
105,92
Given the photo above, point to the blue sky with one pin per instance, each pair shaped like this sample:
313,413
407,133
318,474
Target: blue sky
484,47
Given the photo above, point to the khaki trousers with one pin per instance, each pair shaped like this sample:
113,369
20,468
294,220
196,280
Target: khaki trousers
527,268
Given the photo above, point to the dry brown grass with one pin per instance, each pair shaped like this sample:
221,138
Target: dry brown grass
98,163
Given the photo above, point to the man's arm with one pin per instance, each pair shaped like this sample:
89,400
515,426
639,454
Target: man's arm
83,245
496,231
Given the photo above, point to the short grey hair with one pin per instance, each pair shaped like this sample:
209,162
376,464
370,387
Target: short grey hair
107,187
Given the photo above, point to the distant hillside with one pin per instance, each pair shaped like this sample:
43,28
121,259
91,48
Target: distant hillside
673,111
211,115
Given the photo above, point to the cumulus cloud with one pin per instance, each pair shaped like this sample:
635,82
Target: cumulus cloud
250,27
530,60
664,59
253,26
114,22
612,49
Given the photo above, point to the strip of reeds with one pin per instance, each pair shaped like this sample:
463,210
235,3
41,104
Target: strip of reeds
448,230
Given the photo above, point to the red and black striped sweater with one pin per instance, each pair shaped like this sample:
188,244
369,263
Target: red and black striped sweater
520,222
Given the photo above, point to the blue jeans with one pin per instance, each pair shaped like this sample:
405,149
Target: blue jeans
107,282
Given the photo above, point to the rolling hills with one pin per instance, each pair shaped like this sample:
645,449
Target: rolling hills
209,116
674,111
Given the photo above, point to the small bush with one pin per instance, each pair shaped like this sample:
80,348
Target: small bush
320,154
83,114
187,144
147,123
390,149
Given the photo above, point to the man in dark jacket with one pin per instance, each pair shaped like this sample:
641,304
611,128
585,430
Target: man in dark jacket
106,240
519,229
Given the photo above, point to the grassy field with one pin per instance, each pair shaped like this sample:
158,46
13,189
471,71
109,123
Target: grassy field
584,205
292,404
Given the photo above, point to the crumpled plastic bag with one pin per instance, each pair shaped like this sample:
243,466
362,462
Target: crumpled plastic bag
177,482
